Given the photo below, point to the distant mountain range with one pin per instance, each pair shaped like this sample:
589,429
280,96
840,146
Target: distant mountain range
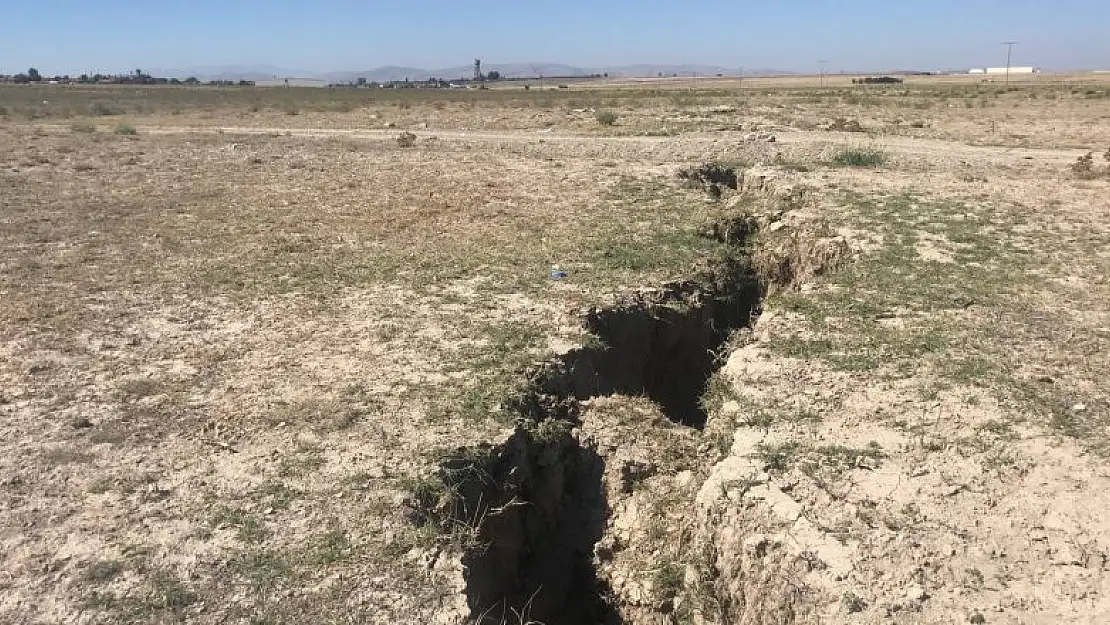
390,73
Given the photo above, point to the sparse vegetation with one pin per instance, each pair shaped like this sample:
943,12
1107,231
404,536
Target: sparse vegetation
102,571
852,603
100,109
842,124
248,527
858,157
779,457
606,118
330,547
667,580
126,130
710,174
1085,168
263,359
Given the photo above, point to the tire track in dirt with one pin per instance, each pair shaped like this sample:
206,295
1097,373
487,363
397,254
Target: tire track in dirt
911,146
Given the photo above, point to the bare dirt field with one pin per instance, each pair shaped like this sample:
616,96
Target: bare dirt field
733,353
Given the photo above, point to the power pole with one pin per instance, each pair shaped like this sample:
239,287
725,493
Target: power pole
1009,55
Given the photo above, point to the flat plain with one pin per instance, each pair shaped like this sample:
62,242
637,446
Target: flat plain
264,361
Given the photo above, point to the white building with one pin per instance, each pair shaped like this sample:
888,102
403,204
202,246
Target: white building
1013,70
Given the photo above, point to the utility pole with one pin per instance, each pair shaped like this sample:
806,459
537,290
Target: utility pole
1009,55
822,62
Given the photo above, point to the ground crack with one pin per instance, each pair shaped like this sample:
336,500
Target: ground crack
533,508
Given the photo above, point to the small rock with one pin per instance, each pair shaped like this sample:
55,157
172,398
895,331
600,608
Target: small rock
1079,407
916,593
80,423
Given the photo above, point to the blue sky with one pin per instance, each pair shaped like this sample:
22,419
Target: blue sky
71,36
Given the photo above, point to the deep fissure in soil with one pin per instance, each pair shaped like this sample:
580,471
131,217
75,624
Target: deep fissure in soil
535,505
662,344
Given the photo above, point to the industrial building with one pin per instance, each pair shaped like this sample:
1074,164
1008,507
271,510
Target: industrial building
1002,70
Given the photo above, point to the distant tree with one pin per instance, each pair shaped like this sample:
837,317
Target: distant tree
493,75
192,80
33,75
174,81
21,79
362,81
139,73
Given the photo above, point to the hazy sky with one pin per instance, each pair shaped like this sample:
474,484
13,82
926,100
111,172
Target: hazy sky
71,36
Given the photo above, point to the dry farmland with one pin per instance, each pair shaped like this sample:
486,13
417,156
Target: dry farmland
310,356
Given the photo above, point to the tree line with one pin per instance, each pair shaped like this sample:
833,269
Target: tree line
138,77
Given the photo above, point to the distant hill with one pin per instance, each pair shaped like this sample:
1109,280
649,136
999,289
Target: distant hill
229,72
511,70
507,70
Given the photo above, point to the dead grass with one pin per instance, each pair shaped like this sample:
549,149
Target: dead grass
274,335
858,157
953,319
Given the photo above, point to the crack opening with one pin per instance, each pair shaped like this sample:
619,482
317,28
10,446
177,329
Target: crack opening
535,507
663,345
